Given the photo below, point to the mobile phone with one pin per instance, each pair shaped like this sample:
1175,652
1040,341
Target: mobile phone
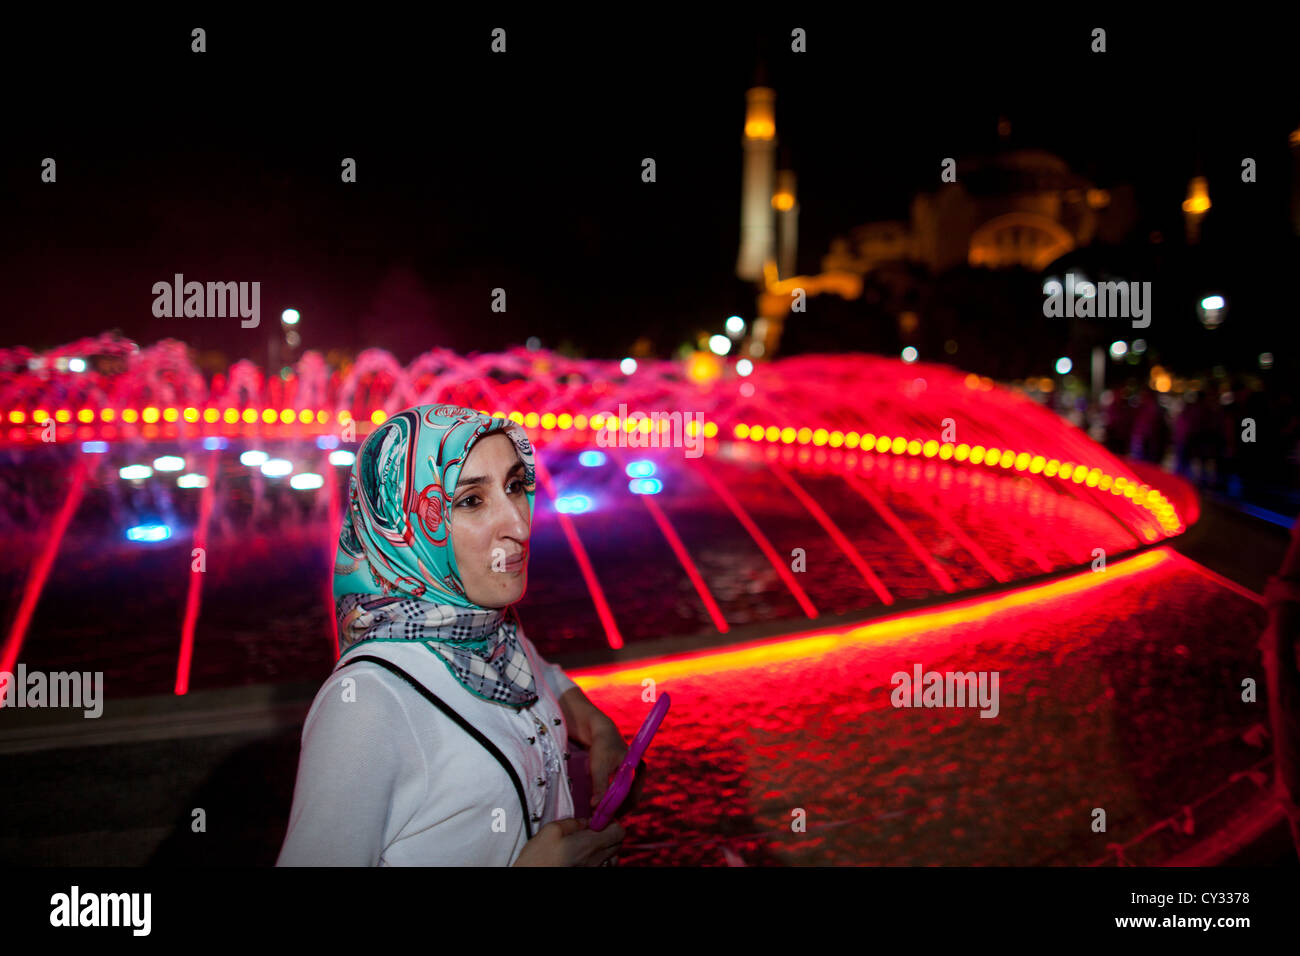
626,773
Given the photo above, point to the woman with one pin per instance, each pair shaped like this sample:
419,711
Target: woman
431,556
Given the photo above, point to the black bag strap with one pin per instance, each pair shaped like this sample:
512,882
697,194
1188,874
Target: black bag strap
473,731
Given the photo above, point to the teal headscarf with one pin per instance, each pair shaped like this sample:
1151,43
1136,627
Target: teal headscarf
395,574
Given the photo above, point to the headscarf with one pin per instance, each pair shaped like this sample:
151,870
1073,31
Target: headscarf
395,574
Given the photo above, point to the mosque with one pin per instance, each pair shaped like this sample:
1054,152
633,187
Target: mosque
1015,208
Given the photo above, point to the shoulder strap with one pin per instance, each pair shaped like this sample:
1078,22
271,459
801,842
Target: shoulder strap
473,731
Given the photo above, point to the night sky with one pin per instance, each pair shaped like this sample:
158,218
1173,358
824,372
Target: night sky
523,170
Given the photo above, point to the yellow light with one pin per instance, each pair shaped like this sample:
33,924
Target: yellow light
379,416
977,454
1036,464
598,421
1007,461
1051,468
1093,478
991,457
250,415
837,439
191,414
868,441
972,380
742,430
1022,461
129,415
548,420
945,452
899,446
516,417
772,433
1098,198
851,439
565,421
86,415
759,125
210,415
305,417
703,367
930,448
820,436
170,414
630,425
963,452
644,425
783,201
710,429
150,415
805,435
883,443
914,447
1080,474
107,415
268,415
16,417
788,434
1198,196
498,414
40,415
1066,468
755,432
580,422
531,420
286,416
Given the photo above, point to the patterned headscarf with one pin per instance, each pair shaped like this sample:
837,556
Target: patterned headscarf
395,574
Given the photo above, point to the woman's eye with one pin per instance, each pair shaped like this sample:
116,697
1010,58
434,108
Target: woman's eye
517,482
468,498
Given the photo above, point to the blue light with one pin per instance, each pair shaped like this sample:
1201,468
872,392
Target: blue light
214,443
592,458
572,504
645,486
641,469
94,447
149,532
327,441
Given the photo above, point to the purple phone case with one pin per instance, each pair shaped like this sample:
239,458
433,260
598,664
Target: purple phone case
621,786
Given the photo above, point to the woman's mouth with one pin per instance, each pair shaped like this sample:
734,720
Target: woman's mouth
516,562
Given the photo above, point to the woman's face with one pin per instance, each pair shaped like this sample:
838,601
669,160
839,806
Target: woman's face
490,523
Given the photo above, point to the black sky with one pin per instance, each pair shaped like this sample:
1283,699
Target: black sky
523,171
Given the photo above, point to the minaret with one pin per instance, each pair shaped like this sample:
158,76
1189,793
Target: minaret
757,244
786,203
1195,206
1294,140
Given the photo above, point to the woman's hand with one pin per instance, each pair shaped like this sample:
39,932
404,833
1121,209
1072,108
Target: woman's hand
570,843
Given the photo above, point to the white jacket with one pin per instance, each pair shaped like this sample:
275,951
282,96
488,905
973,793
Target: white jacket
388,779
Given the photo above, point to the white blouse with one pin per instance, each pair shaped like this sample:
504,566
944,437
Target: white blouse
385,778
